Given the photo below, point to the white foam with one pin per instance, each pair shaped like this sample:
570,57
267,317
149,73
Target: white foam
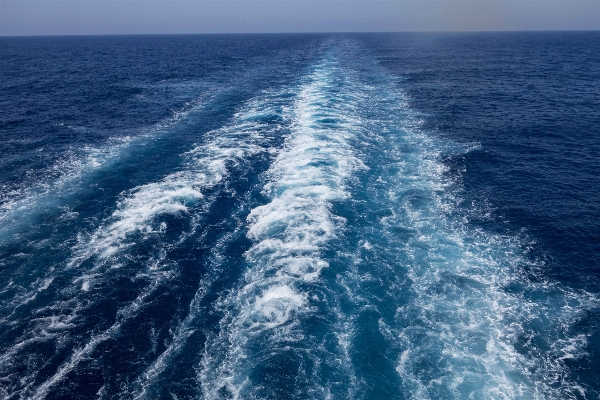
71,173
207,167
135,213
310,173
460,333
246,136
290,233
277,303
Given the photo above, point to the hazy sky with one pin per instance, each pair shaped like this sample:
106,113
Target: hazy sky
57,17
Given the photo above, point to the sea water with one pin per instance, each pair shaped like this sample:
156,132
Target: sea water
364,216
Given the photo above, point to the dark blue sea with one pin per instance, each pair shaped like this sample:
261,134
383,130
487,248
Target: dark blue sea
333,216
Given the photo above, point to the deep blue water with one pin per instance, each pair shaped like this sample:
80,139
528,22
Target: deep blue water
406,216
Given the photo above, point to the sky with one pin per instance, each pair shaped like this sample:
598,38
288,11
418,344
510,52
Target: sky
93,17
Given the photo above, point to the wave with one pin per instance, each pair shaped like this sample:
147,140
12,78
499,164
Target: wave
75,171
141,220
421,303
249,127
462,310
290,234
334,254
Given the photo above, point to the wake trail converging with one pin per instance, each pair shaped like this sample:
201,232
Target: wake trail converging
424,304
250,126
143,216
313,242
264,317
464,312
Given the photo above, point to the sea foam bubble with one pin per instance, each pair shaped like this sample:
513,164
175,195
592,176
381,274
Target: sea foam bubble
289,233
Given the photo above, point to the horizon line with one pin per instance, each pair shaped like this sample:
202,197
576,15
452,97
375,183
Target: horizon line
300,33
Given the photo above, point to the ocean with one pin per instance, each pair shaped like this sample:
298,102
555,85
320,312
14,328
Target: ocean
300,216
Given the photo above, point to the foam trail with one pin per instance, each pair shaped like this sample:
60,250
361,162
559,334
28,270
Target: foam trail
175,194
362,274
139,217
474,316
50,202
290,234
267,107
208,166
72,173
